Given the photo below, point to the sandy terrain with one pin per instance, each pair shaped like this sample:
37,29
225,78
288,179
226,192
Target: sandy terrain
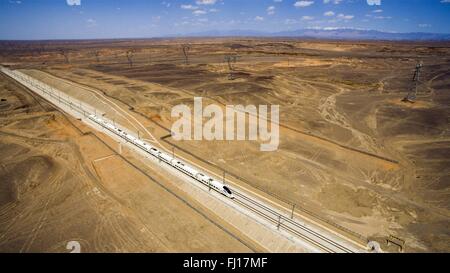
60,184
350,150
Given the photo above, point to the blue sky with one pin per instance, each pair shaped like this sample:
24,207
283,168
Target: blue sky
78,19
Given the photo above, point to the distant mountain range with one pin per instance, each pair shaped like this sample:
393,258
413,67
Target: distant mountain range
327,33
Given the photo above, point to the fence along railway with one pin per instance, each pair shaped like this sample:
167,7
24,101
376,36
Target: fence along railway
280,221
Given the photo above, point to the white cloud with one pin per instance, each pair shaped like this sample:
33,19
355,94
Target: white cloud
189,7
290,21
307,18
336,2
259,18
166,4
206,2
73,2
91,22
199,12
382,17
303,4
271,10
329,13
345,17
374,2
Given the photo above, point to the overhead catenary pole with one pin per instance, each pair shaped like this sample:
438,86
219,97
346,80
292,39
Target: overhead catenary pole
293,210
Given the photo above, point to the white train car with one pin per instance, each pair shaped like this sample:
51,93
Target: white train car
164,157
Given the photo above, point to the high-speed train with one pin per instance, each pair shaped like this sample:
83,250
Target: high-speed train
164,157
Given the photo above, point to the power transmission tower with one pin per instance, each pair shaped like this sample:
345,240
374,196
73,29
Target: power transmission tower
186,48
412,95
231,60
149,56
97,55
66,55
130,55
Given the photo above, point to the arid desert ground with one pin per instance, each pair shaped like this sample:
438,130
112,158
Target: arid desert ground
351,152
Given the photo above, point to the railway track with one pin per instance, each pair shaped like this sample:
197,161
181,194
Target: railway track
290,230
278,219
290,225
